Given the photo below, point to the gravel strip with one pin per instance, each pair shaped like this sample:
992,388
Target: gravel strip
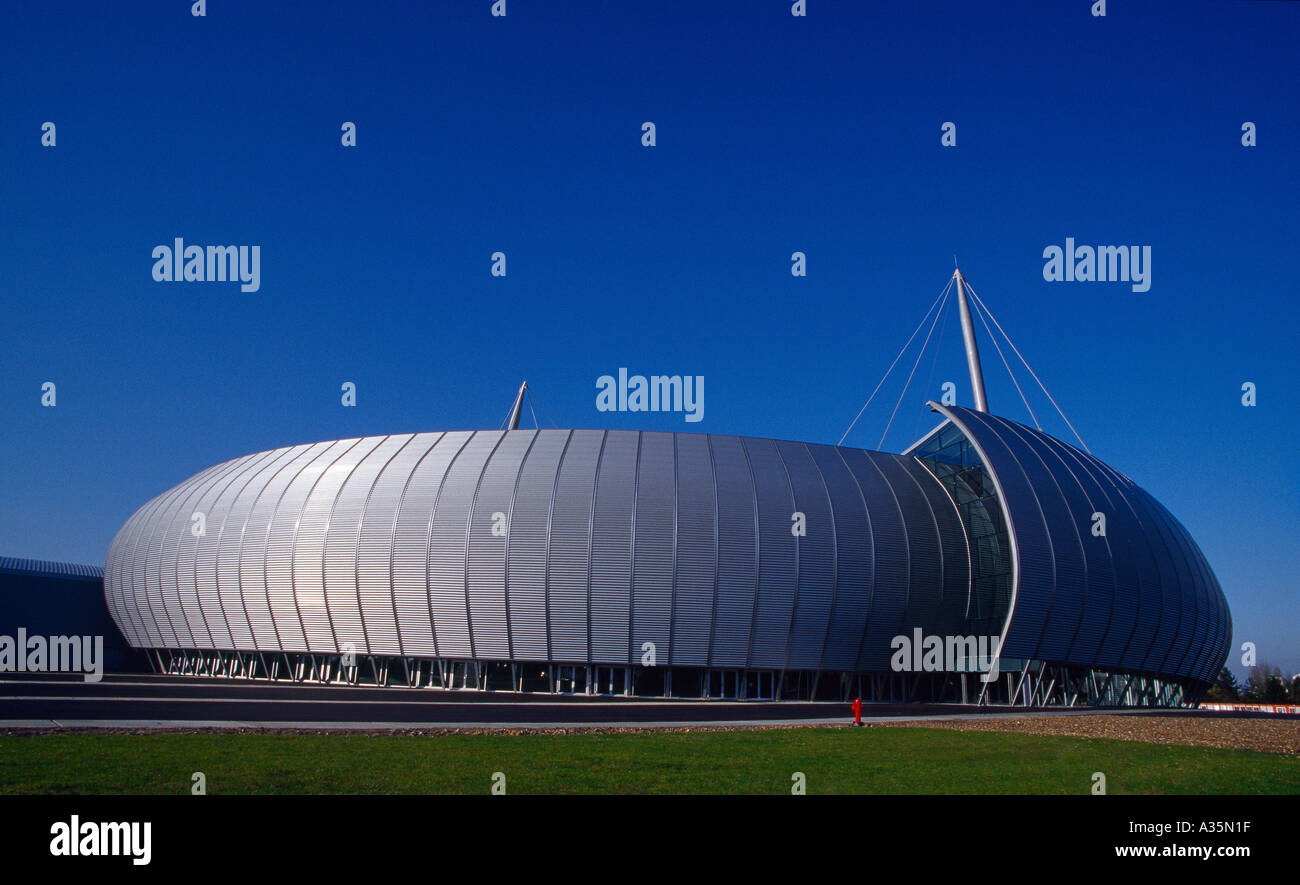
1228,732
412,732
1221,732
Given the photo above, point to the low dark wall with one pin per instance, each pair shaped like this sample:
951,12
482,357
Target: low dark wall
55,599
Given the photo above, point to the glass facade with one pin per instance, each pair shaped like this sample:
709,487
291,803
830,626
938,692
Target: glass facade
952,458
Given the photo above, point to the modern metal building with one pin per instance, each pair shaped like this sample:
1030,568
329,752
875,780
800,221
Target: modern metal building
693,565
60,599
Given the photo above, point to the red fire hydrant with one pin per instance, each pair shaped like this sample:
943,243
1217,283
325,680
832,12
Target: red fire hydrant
857,711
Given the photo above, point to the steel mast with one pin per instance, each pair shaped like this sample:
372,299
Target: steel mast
972,348
517,409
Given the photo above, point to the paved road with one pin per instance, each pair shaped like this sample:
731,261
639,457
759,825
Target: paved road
136,700
28,700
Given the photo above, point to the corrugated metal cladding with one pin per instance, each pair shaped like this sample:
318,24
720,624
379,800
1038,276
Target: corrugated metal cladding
47,598
572,546
13,565
1140,597
579,546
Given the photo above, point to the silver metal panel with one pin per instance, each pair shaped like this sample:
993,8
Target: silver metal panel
1096,592
188,623
733,612
1151,609
1199,606
449,547
778,577
428,566
890,562
1185,600
696,560
611,549
159,582
159,591
203,575
654,563
117,577
954,553
924,556
1036,584
1203,605
386,545
148,551
854,564
1067,608
253,578
1127,548
569,548
485,574
1170,595
139,564
1150,601
112,589
207,624
247,489
118,568
292,508
1112,582
1168,633
308,556
530,522
133,564
342,544
816,557
376,554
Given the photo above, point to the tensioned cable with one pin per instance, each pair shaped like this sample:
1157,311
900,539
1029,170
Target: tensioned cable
979,312
934,363
505,421
533,399
1029,368
908,383
538,425
942,295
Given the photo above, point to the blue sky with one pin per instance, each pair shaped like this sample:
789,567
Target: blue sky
774,134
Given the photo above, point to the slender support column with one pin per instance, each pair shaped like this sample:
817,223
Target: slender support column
517,410
972,347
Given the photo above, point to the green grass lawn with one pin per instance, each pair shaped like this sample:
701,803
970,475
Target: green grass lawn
834,760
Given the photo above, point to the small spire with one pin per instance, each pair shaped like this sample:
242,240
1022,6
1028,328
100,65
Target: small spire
972,348
517,409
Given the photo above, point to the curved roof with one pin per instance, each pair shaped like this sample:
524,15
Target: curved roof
603,540
45,568
578,546
1138,597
